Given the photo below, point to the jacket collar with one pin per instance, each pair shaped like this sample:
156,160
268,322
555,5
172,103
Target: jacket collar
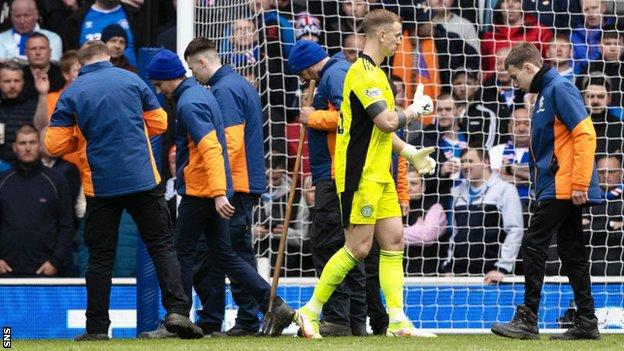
542,77
219,74
27,170
334,59
95,67
186,83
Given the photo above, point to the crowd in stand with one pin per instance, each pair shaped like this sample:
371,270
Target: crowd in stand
467,218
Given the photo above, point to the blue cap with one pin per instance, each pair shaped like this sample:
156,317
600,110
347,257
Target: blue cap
165,65
304,54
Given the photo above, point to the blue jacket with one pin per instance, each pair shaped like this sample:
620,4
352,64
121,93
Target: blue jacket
108,114
563,142
241,110
324,121
202,165
586,45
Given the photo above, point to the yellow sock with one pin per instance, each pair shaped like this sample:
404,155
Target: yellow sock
391,280
333,274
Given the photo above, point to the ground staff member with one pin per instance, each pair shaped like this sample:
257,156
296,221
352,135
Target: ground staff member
203,180
564,178
108,115
241,110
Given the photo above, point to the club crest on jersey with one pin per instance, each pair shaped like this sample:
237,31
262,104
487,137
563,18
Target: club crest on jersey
373,92
541,106
366,211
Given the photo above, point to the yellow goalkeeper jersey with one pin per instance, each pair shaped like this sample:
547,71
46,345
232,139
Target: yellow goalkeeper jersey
363,151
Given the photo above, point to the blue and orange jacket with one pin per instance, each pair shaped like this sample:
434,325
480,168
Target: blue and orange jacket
108,115
241,110
202,166
563,142
324,121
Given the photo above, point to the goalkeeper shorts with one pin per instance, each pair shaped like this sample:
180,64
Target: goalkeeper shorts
371,202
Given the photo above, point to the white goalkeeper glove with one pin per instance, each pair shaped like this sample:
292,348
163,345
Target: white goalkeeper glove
420,158
422,104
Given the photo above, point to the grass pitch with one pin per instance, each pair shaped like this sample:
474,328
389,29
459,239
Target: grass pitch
441,343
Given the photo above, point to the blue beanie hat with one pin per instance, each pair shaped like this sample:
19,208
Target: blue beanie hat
165,65
304,54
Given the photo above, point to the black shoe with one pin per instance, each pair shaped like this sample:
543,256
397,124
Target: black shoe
182,325
583,328
235,331
334,329
278,319
160,333
522,326
359,330
92,337
209,329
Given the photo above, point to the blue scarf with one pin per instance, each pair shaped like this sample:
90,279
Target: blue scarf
615,193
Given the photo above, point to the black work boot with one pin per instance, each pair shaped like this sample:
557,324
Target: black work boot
334,329
158,333
522,326
182,325
279,318
583,328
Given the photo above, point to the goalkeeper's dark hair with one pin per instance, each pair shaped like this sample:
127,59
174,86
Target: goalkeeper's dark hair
522,53
199,45
379,18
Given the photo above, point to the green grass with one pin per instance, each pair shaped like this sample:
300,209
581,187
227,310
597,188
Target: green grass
443,342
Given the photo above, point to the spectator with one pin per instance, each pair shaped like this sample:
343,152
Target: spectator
609,64
16,109
400,100
487,221
560,55
511,25
438,53
511,159
586,35
38,53
350,21
88,22
478,12
558,14
353,45
500,96
426,227
24,17
69,172
308,27
35,214
239,47
465,87
453,23
604,222
167,33
609,129
478,122
449,140
273,209
116,39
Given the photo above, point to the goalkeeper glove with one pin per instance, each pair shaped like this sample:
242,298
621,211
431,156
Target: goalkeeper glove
420,158
422,104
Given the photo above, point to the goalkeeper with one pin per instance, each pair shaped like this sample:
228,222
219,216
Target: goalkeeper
368,197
